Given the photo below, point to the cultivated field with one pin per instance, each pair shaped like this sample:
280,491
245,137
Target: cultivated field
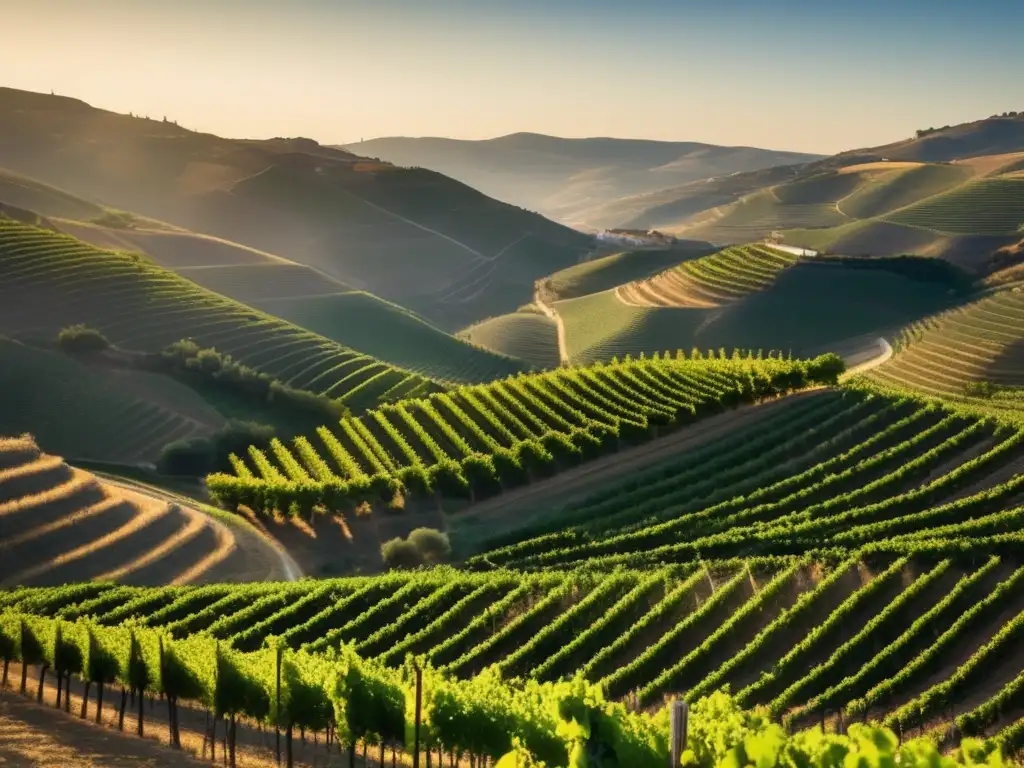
950,356
845,302
989,206
59,524
312,300
476,441
710,281
84,412
50,281
529,336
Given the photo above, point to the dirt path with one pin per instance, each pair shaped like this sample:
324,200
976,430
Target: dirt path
510,507
42,736
563,355
34,734
272,561
885,352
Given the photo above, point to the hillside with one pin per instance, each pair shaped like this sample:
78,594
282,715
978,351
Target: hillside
102,414
949,193
971,354
477,441
407,235
751,297
528,335
49,281
567,178
310,299
59,524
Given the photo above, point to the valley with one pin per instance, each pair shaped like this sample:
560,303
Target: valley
300,441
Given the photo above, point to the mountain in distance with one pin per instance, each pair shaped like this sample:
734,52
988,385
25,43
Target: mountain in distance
568,179
955,192
412,236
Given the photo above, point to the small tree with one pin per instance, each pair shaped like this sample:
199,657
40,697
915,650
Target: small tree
399,553
432,545
82,340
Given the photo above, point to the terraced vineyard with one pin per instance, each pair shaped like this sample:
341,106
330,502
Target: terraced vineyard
601,326
58,525
49,281
529,336
910,640
966,354
755,215
615,269
710,281
105,415
988,206
478,440
902,187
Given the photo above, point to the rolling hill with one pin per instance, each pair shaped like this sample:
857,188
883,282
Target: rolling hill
310,299
951,192
971,355
88,412
747,297
408,235
567,178
49,281
59,524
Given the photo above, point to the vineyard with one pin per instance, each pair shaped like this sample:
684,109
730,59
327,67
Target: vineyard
922,643
59,524
601,326
476,441
611,271
902,187
841,470
49,281
989,206
710,281
82,412
969,354
529,336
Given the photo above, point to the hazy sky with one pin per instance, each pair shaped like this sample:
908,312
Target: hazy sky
814,75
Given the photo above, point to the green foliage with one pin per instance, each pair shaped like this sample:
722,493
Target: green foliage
401,553
432,544
82,340
199,456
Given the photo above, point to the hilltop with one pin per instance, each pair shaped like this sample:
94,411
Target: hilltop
409,235
567,178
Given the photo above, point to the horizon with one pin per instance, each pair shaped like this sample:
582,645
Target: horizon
477,71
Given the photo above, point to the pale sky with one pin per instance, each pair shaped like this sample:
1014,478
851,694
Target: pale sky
811,75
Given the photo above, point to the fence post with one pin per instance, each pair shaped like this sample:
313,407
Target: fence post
277,718
419,712
680,716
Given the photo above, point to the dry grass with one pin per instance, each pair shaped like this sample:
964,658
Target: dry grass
880,166
987,165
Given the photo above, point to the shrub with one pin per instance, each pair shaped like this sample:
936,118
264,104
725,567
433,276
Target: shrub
432,545
399,553
82,340
203,455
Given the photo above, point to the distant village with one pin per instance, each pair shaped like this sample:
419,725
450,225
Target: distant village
636,237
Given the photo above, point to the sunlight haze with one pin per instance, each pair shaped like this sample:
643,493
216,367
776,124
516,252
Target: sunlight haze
743,73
